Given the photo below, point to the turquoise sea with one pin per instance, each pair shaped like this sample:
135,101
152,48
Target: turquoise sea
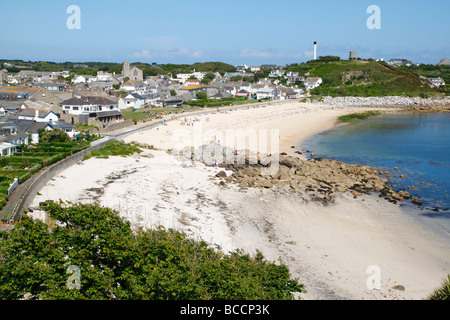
417,144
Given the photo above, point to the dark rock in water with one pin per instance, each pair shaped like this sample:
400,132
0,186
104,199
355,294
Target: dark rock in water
293,147
298,152
283,153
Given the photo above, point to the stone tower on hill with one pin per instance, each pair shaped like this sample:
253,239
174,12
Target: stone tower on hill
132,73
444,62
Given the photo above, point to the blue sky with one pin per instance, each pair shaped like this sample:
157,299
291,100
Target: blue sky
253,32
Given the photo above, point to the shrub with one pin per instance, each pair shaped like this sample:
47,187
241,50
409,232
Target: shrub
116,262
114,148
442,293
358,116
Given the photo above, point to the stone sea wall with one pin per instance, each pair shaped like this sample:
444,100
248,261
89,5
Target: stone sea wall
393,101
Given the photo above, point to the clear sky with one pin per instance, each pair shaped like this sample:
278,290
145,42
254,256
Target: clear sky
253,32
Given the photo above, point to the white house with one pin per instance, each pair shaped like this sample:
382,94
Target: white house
255,68
182,77
132,100
131,85
104,76
270,92
32,128
95,110
77,106
246,86
199,75
84,79
241,68
312,82
7,149
436,82
192,82
13,80
10,133
37,115
276,73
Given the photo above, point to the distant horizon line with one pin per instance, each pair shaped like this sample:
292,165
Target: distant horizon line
206,61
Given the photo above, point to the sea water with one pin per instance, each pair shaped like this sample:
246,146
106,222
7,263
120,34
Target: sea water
417,144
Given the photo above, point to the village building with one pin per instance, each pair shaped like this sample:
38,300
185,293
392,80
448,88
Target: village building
312,82
37,115
271,93
276,73
444,62
32,127
97,111
11,137
132,73
174,102
131,100
192,82
132,85
436,82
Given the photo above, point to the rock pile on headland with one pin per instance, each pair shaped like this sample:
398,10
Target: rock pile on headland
321,178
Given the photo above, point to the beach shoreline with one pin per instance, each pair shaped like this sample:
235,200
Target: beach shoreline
332,248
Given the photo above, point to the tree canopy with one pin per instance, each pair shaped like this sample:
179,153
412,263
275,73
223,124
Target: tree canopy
201,95
94,254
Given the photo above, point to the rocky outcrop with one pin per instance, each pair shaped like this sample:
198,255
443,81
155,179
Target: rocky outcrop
321,178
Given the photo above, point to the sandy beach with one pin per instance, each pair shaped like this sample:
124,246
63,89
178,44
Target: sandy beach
336,250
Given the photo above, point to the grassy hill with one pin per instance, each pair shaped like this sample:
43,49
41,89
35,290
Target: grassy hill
432,71
364,78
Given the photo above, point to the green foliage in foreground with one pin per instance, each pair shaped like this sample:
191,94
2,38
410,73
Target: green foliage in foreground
359,116
116,262
114,148
442,293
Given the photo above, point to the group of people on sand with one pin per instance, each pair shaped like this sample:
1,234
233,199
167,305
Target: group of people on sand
189,122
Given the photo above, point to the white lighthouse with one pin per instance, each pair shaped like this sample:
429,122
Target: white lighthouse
315,50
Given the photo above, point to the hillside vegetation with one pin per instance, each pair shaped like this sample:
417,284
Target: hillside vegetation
115,262
93,67
432,71
364,78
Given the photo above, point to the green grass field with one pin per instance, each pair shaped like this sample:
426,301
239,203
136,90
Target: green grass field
143,114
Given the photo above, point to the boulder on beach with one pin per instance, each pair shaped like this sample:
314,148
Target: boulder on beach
221,174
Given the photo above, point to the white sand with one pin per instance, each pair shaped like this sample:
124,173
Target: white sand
329,248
